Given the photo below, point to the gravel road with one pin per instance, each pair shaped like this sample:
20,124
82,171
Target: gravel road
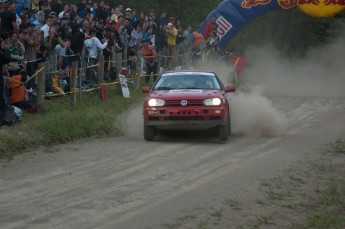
125,182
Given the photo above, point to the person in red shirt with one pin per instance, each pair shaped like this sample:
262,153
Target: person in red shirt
150,56
209,27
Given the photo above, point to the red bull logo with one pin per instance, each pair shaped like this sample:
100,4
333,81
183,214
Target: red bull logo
316,8
223,26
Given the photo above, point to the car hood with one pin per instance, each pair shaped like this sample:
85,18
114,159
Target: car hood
186,93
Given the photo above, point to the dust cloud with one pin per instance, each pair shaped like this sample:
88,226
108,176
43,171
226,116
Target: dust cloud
319,74
252,114
131,122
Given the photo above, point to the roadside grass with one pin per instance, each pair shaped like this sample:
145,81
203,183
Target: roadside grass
60,123
310,194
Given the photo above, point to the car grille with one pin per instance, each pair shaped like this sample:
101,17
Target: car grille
171,103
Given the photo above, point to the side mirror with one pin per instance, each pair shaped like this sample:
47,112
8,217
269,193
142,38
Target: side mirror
145,89
230,88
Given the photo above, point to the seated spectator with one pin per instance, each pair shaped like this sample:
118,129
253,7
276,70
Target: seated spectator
17,93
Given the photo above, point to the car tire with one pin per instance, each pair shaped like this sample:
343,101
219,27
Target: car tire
229,126
223,131
149,133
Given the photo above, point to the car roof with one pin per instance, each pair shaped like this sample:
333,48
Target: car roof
188,72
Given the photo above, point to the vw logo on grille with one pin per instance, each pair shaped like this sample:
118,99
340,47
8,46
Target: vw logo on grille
184,102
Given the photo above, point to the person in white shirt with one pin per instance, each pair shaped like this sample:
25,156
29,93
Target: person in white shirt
92,44
46,27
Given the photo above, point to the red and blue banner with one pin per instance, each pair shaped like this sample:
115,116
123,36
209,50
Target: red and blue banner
233,15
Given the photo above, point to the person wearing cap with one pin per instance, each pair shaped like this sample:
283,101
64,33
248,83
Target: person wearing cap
128,14
9,18
150,56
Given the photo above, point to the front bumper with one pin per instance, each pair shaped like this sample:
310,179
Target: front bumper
185,117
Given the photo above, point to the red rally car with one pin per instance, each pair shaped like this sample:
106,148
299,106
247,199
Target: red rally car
187,99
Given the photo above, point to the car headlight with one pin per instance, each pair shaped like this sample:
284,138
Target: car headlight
212,102
156,102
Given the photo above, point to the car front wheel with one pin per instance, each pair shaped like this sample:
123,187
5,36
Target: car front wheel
223,131
149,133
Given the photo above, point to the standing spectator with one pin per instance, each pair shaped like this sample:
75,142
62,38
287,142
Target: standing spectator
40,20
35,5
4,60
136,37
197,44
17,51
32,41
77,36
22,35
64,56
151,20
57,6
86,10
126,24
162,45
120,9
150,57
81,5
209,27
101,13
63,30
100,29
45,6
9,17
92,44
118,23
161,21
134,17
115,15
65,11
33,16
149,36
47,26
171,32
128,14
132,59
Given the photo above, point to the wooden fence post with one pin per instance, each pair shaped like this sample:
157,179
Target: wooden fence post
82,72
41,85
100,67
73,84
139,69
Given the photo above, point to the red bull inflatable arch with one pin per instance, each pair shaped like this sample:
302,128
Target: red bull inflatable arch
232,15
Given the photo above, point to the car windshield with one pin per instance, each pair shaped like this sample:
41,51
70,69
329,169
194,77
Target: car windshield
189,80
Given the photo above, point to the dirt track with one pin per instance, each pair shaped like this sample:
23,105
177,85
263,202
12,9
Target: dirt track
126,182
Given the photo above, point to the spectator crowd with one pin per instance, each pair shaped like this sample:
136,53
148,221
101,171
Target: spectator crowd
35,31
